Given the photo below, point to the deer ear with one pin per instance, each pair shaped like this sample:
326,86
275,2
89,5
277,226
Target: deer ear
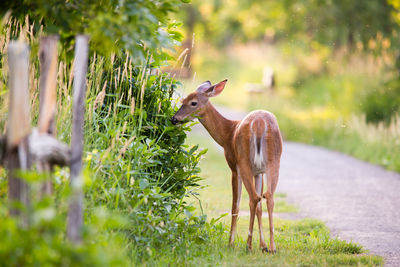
216,89
204,86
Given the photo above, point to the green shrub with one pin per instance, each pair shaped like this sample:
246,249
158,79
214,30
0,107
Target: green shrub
42,241
141,109
382,104
141,166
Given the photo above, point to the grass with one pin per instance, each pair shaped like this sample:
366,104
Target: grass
304,242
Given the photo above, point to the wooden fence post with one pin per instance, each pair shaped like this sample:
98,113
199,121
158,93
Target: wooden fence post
48,80
75,213
48,57
18,127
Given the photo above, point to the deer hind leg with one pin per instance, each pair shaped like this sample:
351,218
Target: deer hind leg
236,195
259,189
248,179
272,181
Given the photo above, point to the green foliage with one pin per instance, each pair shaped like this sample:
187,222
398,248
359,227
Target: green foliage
113,26
43,241
333,23
139,108
340,22
141,166
383,104
225,22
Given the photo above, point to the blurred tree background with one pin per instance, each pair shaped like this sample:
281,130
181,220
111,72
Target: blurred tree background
336,66
320,31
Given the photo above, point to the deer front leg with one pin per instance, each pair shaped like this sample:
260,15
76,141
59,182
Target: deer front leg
259,189
236,195
273,174
248,179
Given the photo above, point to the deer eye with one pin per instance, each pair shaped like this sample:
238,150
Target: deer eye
193,103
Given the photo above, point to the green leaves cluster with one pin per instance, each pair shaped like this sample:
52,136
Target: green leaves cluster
133,25
140,163
139,108
42,242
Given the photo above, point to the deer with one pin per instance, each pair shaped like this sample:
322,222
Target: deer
252,149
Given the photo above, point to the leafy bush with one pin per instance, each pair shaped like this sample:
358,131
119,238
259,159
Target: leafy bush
141,107
382,104
42,241
141,165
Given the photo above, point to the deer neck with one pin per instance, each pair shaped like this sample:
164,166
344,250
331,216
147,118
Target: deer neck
220,128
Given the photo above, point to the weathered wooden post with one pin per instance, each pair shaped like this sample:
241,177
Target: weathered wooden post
75,213
48,57
18,127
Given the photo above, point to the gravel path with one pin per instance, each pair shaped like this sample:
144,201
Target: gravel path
358,201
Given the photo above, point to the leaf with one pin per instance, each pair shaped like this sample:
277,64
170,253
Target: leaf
143,183
188,213
193,149
202,152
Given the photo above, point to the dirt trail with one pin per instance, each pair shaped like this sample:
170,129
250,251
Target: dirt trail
358,201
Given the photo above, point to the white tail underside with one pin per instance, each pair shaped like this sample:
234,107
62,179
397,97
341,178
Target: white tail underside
259,159
258,155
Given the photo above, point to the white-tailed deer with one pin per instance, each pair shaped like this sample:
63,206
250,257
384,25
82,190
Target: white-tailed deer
252,147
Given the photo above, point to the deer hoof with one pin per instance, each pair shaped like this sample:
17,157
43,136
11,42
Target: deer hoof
266,250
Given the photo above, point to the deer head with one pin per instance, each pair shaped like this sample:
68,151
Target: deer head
194,104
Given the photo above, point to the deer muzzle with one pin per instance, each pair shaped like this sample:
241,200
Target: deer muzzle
174,120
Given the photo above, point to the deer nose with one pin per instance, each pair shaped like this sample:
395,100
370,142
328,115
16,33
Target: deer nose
174,120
